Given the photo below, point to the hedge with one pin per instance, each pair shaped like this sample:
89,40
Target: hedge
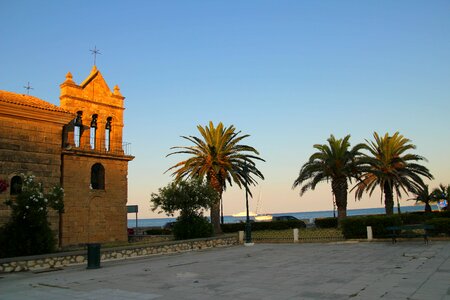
422,217
274,225
356,227
233,227
433,214
415,218
443,214
326,222
441,225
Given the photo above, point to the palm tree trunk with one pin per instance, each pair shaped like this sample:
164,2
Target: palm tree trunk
215,208
398,206
427,207
339,187
388,199
215,217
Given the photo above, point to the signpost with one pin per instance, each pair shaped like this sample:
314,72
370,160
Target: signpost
133,209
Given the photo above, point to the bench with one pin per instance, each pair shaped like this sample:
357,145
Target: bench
409,231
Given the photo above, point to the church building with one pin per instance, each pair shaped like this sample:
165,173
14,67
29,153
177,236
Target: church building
77,145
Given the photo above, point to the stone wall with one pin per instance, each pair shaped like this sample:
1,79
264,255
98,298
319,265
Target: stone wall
94,215
29,147
44,262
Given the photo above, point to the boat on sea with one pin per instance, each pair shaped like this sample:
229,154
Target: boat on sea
254,216
263,218
244,214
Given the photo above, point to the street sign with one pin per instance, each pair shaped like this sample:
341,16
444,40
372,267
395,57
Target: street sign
132,208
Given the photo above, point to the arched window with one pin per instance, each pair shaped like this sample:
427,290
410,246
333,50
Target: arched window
16,185
108,133
98,177
93,131
78,123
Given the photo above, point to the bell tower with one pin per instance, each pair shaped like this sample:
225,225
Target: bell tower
94,162
96,107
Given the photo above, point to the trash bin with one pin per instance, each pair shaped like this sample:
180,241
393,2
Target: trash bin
93,256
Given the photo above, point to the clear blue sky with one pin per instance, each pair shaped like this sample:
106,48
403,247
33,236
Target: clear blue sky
289,73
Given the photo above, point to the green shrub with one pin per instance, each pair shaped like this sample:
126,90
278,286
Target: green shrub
441,225
26,238
356,227
158,231
191,227
326,222
28,231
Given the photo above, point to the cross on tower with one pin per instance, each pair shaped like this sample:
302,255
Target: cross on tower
28,88
95,52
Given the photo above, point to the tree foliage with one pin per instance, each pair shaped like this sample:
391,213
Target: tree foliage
425,196
392,168
442,193
335,162
186,197
218,156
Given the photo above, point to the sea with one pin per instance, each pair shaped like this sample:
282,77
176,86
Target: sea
309,215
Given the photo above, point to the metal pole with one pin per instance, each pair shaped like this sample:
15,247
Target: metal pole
221,210
248,228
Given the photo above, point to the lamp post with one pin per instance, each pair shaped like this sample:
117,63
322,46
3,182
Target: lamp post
248,225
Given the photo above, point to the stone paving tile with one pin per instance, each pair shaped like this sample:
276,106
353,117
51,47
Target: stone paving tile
264,271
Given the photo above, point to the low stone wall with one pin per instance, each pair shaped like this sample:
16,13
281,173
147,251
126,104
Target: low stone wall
150,238
58,260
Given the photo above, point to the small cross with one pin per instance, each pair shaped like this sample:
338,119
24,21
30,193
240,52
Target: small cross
95,52
28,88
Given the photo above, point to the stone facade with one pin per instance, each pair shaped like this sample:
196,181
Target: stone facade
94,215
78,145
30,142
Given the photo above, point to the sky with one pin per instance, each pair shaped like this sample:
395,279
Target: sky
288,73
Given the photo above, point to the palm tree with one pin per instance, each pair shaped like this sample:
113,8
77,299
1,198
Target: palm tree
219,157
391,168
423,195
442,193
335,162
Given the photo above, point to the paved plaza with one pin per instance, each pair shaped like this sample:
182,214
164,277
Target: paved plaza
347,270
